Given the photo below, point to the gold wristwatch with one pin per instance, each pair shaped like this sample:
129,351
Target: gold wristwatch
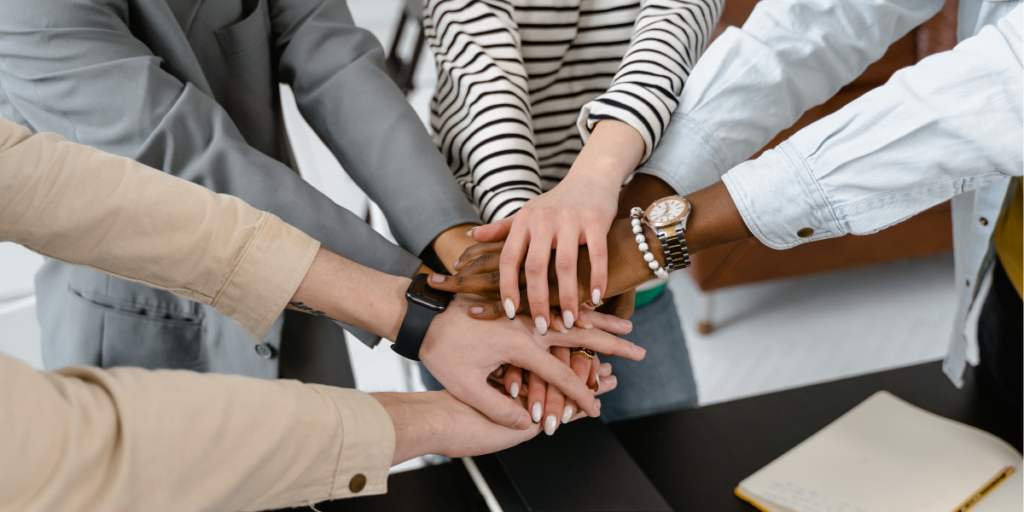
667,217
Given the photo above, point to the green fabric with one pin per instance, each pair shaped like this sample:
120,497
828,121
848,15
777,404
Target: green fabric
646,296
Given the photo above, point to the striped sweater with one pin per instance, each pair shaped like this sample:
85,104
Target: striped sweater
522,82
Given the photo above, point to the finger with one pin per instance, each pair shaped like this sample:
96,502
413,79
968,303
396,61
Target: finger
580,364
609,323
605,369
485,285
607,384
597,246
542,364
537,286
495,405
477,251
490,262
538,391
495,309
597,340
511,257
495,231
557,323
565,269
513,381
554,405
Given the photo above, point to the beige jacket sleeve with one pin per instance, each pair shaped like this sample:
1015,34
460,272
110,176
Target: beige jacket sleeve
130,439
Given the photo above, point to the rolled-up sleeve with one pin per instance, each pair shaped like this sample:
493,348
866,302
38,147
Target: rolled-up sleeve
950,124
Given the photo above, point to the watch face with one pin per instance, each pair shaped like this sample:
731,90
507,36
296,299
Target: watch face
421,293
667,211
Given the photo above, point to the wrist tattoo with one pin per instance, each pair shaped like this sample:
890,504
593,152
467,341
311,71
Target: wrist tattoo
306,309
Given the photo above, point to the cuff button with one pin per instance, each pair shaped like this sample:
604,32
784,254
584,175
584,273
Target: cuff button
805,232
265,350
357,483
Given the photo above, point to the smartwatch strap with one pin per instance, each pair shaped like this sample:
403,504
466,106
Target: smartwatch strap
413,330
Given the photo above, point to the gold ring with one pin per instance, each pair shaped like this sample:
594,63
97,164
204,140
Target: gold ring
585,351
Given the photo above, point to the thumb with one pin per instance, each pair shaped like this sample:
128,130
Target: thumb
499,408
493,232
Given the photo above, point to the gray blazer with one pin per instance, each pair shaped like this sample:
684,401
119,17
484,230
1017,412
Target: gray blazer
191,87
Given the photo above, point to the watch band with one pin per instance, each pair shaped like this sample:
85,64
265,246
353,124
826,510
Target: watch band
673,244
414,329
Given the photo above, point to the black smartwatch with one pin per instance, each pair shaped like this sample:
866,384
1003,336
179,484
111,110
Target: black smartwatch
424,304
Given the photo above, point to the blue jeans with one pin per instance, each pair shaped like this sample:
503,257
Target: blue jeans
662,382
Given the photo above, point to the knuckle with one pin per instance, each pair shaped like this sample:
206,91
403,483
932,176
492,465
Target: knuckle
508,259
564,264
535,266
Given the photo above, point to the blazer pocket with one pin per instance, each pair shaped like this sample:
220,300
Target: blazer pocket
135,338
246,33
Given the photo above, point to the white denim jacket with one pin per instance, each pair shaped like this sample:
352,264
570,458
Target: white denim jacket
949,127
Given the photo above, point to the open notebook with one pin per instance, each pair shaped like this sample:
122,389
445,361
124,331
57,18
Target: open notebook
886,455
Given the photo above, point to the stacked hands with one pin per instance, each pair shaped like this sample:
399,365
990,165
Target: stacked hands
562,309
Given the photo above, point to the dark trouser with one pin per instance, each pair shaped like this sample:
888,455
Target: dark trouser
1001,342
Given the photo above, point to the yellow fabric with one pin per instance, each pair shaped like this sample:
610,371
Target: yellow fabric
1009,238
131,439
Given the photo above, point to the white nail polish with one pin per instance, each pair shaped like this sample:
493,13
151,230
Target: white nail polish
535,412
567,318
567,413
595,297
456,263
542,325
510,309
549,425
514,390
469,232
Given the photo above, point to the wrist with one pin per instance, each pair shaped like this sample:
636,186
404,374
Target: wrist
416,421
397,305
451,243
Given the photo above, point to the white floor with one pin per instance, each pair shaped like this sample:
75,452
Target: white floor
769,337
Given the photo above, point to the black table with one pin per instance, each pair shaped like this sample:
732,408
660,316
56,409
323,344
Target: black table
696,457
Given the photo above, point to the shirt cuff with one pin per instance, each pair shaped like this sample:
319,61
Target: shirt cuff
635,105
266,276
689,159
780,200
367,447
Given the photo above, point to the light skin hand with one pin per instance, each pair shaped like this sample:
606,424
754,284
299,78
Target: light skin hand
451,243
578,211
435,422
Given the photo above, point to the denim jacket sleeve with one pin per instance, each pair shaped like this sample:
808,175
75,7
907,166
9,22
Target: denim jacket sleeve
950,124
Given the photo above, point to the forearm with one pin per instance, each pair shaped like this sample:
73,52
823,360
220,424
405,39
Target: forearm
350,293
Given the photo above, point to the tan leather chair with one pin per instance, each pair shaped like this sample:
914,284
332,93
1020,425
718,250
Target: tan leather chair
929,232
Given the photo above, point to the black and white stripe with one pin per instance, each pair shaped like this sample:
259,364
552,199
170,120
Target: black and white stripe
521,83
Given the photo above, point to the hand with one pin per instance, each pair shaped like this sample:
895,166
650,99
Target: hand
479,271
436,422
451,243
578,211
547,403
461,352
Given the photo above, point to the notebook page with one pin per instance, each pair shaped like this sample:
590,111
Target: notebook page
884,455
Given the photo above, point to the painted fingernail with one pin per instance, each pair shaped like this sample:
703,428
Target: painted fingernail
456,263
514,390
510,309
567,318
597,384
437,278
595,297
477,310
549,425
535,412
542,325
470,231
567,413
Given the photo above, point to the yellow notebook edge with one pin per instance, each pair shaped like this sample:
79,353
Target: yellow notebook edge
989,486
748,499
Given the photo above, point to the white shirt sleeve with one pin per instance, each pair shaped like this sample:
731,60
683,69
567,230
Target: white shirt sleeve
754,82
950,124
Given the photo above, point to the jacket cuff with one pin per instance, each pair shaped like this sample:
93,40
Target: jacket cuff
690,158
266,276
367,447
780,200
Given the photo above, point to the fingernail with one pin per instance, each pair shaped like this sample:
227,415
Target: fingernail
542,325
469,232
595,297
567,413
639,350
549,425
514,390
437,278
588,325
535,412
563,330
510,309
597,384
477,310
456,263
567,318
597,407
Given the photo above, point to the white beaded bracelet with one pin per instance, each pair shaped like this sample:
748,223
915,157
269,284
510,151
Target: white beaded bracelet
638,230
